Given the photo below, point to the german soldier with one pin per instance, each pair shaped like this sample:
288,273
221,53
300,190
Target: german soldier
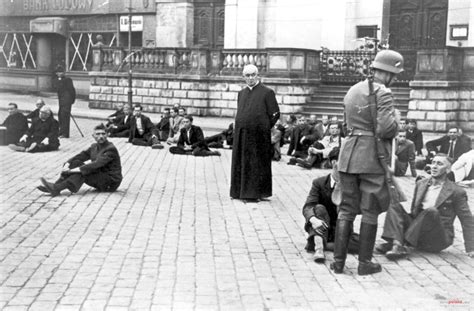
371,123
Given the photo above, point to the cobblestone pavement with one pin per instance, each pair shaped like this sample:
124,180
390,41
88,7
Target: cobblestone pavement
172,239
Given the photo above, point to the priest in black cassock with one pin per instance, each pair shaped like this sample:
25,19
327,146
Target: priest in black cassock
257,112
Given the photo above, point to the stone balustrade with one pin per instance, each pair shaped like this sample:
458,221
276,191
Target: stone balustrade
284,62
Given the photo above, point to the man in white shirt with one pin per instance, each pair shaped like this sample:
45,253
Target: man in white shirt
429,227
321,149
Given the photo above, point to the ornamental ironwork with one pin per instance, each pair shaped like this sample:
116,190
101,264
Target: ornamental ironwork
345,66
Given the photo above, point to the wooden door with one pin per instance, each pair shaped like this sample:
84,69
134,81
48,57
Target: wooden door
416,24
209,24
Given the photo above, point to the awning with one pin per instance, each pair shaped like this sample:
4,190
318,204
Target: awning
56,25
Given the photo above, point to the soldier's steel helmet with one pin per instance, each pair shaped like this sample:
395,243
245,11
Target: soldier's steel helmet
388,60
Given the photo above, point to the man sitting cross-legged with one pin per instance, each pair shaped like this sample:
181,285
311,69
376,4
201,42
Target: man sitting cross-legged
103,172
142,130
429,227
320,212
122,127
191,140
42,135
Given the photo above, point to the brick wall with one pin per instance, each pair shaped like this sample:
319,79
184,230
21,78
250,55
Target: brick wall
209,96
437,107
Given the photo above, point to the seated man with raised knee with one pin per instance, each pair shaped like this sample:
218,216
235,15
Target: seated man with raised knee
320,213
122,127
191,140
437,201
404,155
16,124
103,172
142,130
42,136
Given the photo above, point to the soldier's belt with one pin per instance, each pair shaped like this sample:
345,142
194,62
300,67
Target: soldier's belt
358,132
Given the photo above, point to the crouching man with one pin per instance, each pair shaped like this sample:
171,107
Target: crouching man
429,227
320,213
103,172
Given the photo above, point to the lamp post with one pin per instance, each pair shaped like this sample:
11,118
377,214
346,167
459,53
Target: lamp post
130,53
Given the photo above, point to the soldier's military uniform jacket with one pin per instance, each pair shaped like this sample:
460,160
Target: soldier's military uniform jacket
358,152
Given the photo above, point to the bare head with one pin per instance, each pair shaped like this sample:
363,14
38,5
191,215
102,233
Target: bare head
40,103
45,112
250,74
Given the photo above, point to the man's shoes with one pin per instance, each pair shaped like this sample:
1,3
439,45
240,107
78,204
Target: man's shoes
367,267
157,146
43,189
16,148
397,252
292,161
319,256
383,248
50,187
32,147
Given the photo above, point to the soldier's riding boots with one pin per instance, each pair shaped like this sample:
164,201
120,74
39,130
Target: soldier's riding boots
367,242
341,241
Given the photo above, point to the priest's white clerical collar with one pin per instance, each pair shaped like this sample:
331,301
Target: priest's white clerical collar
251,87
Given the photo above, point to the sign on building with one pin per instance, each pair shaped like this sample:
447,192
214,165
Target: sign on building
137,23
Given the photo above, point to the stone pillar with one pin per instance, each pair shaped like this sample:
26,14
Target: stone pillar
43,52
174,23
442,93
241,24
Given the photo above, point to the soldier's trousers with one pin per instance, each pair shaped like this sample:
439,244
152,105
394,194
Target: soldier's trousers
365,194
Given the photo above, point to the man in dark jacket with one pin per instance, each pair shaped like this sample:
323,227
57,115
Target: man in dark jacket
66,97
42,135
449,144
16,124
404,155
415,135
191,140
103,172
320,213
429,227
163,127
142,130
121,128
35,113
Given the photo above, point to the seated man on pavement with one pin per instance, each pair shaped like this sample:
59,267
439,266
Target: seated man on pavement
114,118
122,127
404,155
276,141
323,126
163,127
42,136
320,213
415,135
217,141
463,168
35,113
16,124
429,226
304,134
191,141
448,144
142,130
181,111
103,172
320,150
176,124
289,127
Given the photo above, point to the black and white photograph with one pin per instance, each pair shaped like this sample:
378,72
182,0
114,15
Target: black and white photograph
223,155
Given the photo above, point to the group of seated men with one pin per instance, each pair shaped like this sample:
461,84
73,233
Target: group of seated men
36,132
174,127
437,201
310,141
